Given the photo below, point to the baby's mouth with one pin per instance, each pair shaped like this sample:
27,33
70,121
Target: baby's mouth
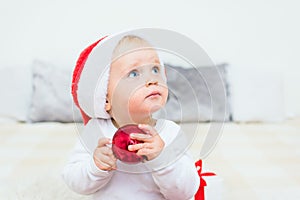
153,94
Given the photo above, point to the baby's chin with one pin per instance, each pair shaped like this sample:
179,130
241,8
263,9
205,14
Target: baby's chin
155,108
146,111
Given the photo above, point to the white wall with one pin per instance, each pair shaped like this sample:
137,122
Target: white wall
255,34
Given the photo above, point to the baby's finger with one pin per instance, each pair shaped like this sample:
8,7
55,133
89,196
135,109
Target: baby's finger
144,151
107,167
139,136
112,162
112,156
107,161
103,141
147,129
136,147
105,150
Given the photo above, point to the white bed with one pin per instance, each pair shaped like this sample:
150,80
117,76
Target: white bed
255,160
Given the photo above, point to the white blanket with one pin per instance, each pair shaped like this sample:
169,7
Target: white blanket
255,160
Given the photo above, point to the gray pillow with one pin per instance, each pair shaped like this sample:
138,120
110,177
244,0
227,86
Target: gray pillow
197,94
51,97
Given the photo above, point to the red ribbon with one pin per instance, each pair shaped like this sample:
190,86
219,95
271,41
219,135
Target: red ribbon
200,193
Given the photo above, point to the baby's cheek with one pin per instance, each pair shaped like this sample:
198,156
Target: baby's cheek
135,99
165,94
136,103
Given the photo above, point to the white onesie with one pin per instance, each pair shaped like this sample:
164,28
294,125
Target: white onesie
172,175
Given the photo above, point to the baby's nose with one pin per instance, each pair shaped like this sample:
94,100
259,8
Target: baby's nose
151,82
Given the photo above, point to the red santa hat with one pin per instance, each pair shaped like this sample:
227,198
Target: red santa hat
76,77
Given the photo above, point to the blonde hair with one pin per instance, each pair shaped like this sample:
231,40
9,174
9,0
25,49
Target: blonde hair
129,43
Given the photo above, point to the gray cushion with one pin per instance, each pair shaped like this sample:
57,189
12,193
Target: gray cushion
51,98
197,94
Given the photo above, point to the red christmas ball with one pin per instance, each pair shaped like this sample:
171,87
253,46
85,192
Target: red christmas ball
121,140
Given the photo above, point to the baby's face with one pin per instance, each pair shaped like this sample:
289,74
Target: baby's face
136,85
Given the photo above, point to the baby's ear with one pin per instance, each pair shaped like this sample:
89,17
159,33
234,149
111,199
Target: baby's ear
107,105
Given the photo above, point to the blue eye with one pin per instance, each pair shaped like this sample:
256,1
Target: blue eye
155,70
133,74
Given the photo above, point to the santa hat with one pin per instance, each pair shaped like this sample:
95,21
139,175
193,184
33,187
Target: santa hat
76,77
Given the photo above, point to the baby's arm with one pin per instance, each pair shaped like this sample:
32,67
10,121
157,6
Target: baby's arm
178,180
81,173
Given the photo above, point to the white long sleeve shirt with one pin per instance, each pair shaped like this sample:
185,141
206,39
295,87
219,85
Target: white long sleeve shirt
172,175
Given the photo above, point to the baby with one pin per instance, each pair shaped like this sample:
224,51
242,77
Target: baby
136,89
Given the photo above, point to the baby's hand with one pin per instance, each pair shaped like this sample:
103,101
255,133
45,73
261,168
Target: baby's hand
152,146
103,155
